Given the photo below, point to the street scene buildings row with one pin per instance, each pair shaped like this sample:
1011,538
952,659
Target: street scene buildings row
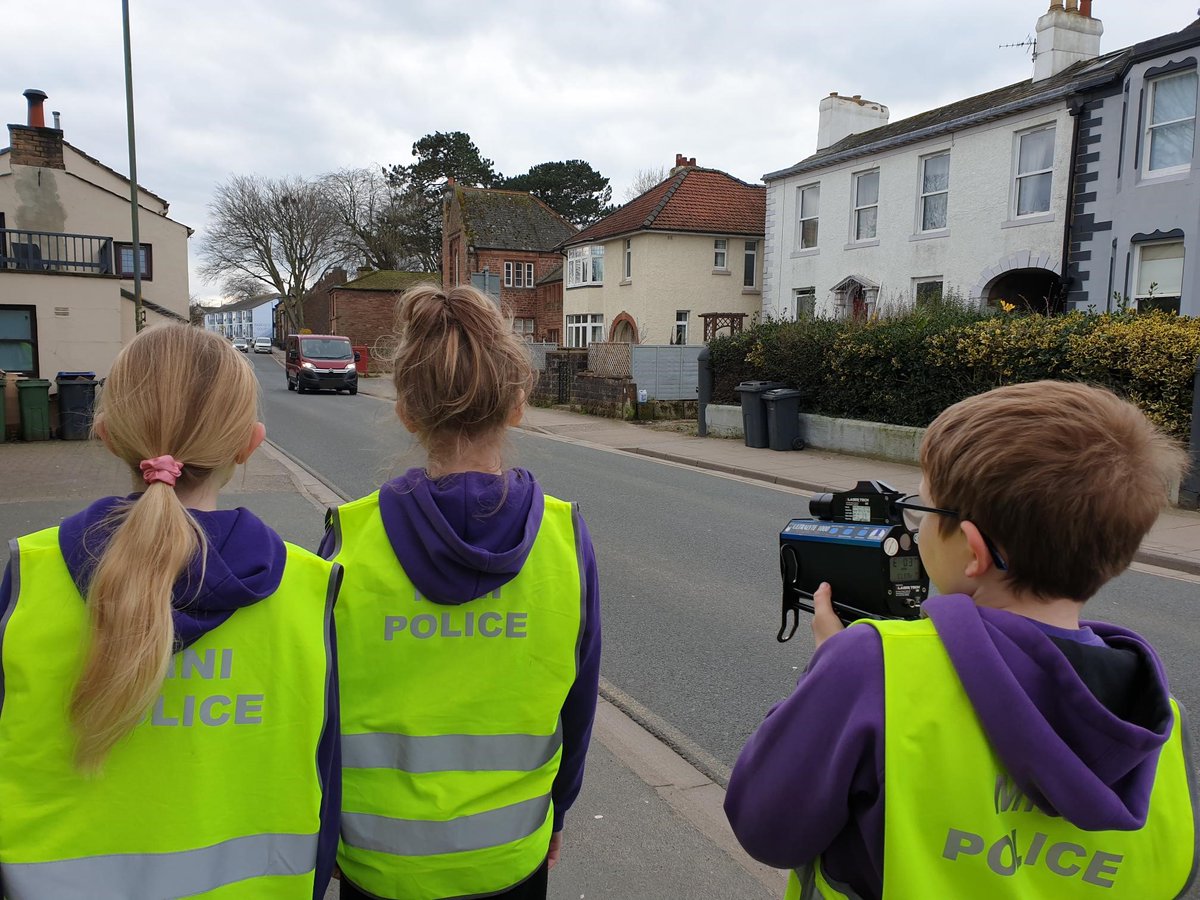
1075,189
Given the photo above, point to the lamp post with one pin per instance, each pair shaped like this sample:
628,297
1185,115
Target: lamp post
139,315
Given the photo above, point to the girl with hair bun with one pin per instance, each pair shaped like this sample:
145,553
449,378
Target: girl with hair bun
469,629
168,693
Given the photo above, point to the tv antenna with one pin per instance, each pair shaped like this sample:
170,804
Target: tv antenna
1028,42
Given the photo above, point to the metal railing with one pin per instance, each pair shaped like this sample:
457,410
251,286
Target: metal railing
55,251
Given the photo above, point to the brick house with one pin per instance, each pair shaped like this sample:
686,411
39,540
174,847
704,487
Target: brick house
364,309
512,235
316,307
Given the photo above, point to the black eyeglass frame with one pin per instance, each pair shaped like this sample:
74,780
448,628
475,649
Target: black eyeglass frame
905,503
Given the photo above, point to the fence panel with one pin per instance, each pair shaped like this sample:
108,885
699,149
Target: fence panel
537,353
667,372
612,360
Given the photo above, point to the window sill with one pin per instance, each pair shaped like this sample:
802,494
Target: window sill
1166,176
859,245
722,271
575,287
749,290
930,235
1039,219
807,251
624,281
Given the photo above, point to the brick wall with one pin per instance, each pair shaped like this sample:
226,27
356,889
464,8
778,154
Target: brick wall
41,147
364,316
542,303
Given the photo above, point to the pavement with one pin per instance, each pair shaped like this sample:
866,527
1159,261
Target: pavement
1173,543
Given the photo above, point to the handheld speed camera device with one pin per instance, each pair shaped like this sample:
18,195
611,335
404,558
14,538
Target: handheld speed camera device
857,542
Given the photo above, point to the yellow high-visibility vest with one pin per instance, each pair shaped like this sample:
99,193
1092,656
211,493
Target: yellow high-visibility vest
451,737
216,794
955,825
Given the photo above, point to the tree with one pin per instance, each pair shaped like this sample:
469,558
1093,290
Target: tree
573,189
417,190
281,234
643,181
376,220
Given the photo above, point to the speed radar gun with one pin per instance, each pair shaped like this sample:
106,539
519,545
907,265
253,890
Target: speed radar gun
857,541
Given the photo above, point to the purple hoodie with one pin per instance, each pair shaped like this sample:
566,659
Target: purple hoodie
244,565
1077,717
460,537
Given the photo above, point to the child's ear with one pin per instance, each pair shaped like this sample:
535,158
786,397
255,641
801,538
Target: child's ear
102,432
518,411
981,557
408,423
257,435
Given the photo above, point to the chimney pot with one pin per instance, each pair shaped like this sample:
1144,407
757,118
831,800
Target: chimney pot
1072,6
1085,8
57,120
680,160
37,117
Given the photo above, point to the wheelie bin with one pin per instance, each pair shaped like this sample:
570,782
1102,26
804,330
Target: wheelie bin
34,394
76,404
783,419
754,411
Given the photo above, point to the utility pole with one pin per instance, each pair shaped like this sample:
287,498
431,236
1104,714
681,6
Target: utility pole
139,315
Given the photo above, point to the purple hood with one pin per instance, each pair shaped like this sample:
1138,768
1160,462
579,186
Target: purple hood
1077,716
244,565
1078,722
461,536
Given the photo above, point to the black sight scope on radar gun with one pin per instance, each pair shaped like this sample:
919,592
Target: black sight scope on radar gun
857,541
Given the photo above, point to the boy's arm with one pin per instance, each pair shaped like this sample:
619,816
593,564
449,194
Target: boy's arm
579,709
790,792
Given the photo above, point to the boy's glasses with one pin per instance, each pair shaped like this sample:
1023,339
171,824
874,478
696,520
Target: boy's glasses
913,511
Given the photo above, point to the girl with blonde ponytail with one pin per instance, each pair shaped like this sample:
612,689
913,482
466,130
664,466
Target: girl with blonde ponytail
168,667
467,715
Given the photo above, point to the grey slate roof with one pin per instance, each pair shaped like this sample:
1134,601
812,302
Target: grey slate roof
510,220
996,104
975,110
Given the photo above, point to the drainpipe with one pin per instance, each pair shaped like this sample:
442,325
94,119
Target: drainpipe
1075,108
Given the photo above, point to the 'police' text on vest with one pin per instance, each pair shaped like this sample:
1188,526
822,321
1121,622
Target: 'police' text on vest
208,709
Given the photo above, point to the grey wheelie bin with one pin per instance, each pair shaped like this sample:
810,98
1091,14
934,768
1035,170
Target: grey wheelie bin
754,411
783,419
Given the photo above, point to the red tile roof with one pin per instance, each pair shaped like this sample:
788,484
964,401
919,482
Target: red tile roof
693,199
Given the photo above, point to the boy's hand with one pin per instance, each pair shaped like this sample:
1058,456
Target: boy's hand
825,623
555,851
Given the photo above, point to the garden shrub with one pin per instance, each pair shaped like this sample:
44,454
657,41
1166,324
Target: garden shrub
907,367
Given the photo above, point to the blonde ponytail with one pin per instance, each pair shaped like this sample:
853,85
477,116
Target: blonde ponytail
174,390
129,601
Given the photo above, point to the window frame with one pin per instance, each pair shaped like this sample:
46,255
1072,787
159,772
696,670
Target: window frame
591,329
917,283
1148,137
801,219
581,266
797,293
923,195
119,268
522,332
681,327
721,255
1139,247
628,259
508,274
856,208
33,339
529,279
1017,175
750,265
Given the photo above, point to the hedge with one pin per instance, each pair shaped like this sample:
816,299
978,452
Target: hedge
906,368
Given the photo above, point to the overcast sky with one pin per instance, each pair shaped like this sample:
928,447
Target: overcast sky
279,87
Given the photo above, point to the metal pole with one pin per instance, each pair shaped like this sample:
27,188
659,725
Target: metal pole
139,316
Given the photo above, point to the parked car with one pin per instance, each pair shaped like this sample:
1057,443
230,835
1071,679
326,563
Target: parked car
262,345
240,344
320,361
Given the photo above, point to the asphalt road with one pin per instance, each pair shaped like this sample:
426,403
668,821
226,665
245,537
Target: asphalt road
687,559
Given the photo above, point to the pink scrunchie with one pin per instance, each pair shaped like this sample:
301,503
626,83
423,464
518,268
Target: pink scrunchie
162,468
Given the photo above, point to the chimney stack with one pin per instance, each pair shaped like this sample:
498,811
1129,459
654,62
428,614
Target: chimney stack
34,144
843,116
1065,35
37,117
682,162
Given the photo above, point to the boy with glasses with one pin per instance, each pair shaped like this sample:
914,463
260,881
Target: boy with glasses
999,747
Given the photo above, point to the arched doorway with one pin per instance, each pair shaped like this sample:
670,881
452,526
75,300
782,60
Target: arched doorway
1036,290
624,330
855,297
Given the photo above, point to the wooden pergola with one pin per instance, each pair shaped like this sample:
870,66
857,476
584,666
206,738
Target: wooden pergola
714,322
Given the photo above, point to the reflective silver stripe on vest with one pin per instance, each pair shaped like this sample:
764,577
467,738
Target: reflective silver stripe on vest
123,875
417,837
450,752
